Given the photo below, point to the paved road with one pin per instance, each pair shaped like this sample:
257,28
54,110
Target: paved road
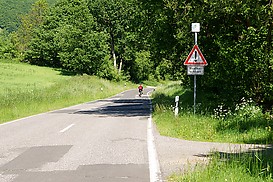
102,141
111,140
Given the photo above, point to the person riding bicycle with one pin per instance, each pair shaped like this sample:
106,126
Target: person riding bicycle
140,89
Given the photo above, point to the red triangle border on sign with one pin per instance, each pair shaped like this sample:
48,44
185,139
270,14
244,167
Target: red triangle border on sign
204,63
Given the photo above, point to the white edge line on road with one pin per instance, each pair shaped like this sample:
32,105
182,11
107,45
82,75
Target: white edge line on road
150,92
20,119
67,128
155,174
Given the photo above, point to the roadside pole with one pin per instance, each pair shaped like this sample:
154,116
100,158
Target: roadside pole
195,62
176,106
194,90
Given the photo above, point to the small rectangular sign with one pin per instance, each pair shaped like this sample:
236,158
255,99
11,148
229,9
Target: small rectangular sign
195,27
177,99
195,70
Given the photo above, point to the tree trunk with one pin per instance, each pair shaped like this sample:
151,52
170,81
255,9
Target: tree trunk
113,50
269,42
120,65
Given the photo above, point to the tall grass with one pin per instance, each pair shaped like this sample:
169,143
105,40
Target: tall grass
16,77
239,167
245,124
186,126
28,90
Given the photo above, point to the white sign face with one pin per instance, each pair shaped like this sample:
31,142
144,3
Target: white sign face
195,27
177,99
195,57
195,70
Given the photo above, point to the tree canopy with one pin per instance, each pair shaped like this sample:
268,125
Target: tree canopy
148,39
11,10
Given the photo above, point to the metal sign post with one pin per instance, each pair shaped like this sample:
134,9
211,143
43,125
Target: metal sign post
195,61
195,29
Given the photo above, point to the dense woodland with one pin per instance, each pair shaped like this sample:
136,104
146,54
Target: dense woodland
12,10
148,39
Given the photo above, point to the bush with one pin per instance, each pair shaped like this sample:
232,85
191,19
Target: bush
246,115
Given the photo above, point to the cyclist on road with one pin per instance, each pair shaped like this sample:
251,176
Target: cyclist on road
140,90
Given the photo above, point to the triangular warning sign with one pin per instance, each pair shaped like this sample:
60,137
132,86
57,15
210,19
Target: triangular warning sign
196,57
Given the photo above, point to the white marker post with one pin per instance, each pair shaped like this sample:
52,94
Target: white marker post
176,106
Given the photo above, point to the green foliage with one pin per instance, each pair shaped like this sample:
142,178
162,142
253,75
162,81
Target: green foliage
107,71
120,18
84,34
27,90
142,66
246,114
29,22
237,167
235,38
242,67
163,70
11,10
246,119
74,45
7,49
244,124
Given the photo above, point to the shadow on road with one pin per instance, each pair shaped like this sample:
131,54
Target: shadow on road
121,107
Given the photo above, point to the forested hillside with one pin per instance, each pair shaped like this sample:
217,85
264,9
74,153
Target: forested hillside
11,10
150,39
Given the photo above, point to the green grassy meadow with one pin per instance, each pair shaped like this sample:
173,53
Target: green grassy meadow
26,90
247,123
23,77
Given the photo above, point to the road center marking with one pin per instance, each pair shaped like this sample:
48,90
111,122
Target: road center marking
155,174
67,128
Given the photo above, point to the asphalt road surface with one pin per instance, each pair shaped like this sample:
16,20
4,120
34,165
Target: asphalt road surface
111,140
103,141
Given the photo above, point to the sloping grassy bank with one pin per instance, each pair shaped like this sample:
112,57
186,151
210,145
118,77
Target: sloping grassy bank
244,124
27,90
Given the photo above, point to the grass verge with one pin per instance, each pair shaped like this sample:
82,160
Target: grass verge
239,167
27,90
246,124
